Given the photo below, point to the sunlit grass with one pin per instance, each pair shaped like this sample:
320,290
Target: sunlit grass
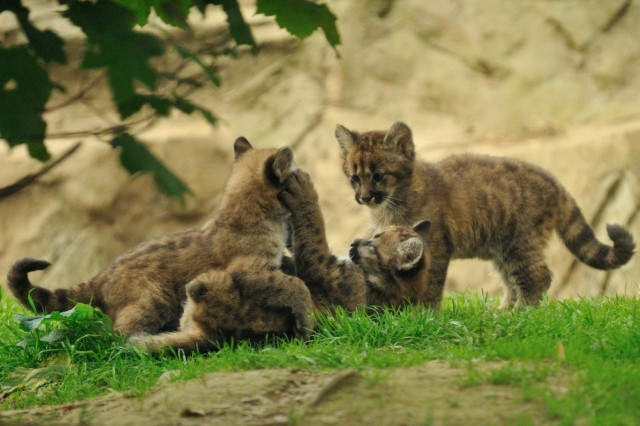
595,342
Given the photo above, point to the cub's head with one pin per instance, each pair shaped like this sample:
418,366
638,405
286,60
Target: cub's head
377,163
258,175
395,261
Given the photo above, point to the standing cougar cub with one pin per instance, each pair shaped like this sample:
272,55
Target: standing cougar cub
388,269
144,289
480,206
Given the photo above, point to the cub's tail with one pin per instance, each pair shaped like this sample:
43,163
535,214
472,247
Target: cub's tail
43,299
578,236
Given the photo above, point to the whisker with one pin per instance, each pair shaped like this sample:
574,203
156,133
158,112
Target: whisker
392,210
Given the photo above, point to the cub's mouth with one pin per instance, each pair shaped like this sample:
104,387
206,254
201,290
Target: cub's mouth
353,252
360,250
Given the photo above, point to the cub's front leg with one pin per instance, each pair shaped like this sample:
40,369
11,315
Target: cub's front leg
301,199
310,247
331,281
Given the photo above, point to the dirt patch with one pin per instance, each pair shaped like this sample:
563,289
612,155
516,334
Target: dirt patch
433,393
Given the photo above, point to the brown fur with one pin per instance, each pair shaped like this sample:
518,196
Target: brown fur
499,209
386,269
143,291
218,310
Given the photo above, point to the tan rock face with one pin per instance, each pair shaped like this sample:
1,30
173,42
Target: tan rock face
553,83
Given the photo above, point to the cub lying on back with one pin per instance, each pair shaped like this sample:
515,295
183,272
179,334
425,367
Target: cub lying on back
480,206
390,268
143,290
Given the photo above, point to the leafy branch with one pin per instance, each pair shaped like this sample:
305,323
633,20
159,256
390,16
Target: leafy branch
125,52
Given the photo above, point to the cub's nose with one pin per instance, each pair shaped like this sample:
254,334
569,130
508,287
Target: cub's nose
367,199
353,250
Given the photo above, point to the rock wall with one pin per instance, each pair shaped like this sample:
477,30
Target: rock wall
553,83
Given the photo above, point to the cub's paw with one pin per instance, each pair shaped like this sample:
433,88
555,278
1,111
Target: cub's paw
298,190
304,323
140,341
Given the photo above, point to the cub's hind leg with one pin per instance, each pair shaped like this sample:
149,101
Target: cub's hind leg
440,258
510,291
142,318
525,270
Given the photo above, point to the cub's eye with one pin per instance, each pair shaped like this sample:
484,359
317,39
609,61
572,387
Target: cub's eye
369,243
377,177
355,178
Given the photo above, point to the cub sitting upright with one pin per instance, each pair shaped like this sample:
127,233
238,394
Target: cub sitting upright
388,269
480,206
143,290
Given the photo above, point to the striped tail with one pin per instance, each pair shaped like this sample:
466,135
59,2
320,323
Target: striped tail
578,236
44,300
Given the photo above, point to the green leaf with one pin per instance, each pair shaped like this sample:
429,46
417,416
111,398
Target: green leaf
82,312
174,12
302,17
140,8
55,336
46,44
25,88
113,44
238,28
188,108
28,323
131,105
208,70
135,157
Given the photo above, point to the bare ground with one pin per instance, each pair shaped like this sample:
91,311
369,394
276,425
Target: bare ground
433,393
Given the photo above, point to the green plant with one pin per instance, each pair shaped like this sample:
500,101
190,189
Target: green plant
599,370
116,45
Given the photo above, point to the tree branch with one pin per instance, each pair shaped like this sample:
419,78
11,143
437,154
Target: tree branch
29,179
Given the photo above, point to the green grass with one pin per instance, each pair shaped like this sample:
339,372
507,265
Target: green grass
600,338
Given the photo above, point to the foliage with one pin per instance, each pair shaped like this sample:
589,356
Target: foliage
600,341
116,45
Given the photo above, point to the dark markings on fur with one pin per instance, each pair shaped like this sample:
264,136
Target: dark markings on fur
144,290
332,281
481,206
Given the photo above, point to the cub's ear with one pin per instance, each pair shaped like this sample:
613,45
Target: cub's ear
399,137
345,138
283,163
240,146
422,228
408,254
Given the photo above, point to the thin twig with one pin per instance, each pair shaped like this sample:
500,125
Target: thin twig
29,179
105,131
78,96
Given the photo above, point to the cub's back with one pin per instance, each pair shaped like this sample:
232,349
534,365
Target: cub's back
497,182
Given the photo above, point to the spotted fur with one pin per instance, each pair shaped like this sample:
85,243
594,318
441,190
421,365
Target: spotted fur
144,290
388,268
499,209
